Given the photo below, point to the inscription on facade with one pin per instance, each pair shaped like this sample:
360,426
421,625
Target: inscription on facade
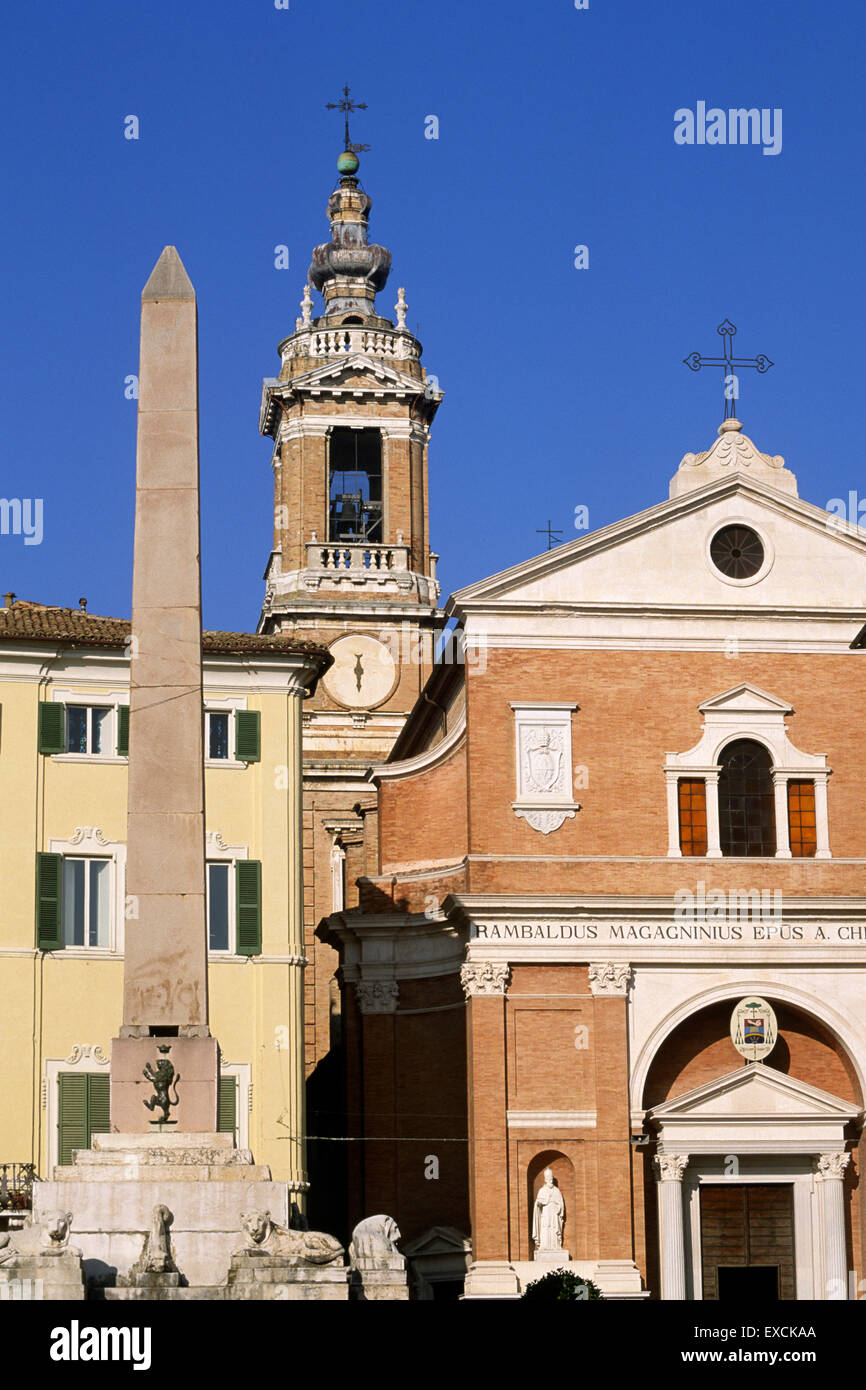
612,933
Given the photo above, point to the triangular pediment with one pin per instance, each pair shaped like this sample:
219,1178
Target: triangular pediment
754,1090
356,369
439,1240
745,699
659,560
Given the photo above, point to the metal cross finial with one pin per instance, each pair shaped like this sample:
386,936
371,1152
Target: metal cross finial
347,105
553,537
694,362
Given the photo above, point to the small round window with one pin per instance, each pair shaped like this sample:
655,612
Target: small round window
737,551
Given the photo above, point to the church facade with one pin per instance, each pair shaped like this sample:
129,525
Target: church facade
635,810
620,811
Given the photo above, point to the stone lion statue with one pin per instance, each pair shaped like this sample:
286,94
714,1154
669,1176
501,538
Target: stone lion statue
301,1247
55,1231
375,1238
50,1236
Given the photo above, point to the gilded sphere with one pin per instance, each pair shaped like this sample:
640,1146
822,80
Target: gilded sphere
348,162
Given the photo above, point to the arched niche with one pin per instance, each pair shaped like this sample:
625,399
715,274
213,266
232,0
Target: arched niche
563,1177
700,1048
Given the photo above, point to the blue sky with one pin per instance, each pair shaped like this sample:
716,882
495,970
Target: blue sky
563,387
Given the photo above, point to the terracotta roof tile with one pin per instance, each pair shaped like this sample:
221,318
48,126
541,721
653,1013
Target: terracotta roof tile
73,627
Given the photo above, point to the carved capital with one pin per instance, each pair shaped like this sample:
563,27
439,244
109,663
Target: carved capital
377,996
670,1167
833,1165
483,977
607,978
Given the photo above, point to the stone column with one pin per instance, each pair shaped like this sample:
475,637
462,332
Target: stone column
672,1250
673,795
377,1001
783,841
822,841
485,985
165,991
714,848
609,982
831,1168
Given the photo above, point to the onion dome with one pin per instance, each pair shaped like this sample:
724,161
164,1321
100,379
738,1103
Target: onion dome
347,270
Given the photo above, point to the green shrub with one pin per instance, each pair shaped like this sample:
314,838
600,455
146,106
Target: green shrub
562,1286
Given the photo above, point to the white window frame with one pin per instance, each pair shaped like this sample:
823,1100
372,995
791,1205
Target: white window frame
88,842
746,712
111,701
229,706
218,852
86,859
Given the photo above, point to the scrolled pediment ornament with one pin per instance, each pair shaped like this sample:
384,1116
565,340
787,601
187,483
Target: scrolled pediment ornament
87,1051
83,833
545,821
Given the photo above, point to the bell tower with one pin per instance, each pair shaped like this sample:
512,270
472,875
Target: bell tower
350,415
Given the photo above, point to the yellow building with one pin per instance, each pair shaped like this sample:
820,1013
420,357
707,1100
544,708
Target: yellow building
64,693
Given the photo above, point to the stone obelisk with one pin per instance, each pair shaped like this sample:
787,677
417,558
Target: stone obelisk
165,993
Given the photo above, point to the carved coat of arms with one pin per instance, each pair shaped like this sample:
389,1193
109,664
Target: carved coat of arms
544,761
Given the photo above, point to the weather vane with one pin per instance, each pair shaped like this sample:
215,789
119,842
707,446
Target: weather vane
553,537
347,105
694,362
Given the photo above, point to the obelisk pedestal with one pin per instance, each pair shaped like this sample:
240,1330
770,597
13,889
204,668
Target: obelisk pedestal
165,1030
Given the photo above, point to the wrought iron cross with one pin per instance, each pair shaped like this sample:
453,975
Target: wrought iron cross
694,362
347,105
553,537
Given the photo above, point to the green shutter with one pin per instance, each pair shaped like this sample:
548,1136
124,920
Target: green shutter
98,1118
83,1110
49,923
248,883
72,1116
227,1105
248,735
51,728
123,731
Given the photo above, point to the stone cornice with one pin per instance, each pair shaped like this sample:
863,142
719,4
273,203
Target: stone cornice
294,672
422,762
655,907
395,945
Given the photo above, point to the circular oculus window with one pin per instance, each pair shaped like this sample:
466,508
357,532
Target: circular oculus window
737,551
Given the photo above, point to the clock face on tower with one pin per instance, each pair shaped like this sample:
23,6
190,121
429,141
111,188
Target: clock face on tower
364,672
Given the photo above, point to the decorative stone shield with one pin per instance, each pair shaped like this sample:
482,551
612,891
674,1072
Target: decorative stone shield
754,1029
